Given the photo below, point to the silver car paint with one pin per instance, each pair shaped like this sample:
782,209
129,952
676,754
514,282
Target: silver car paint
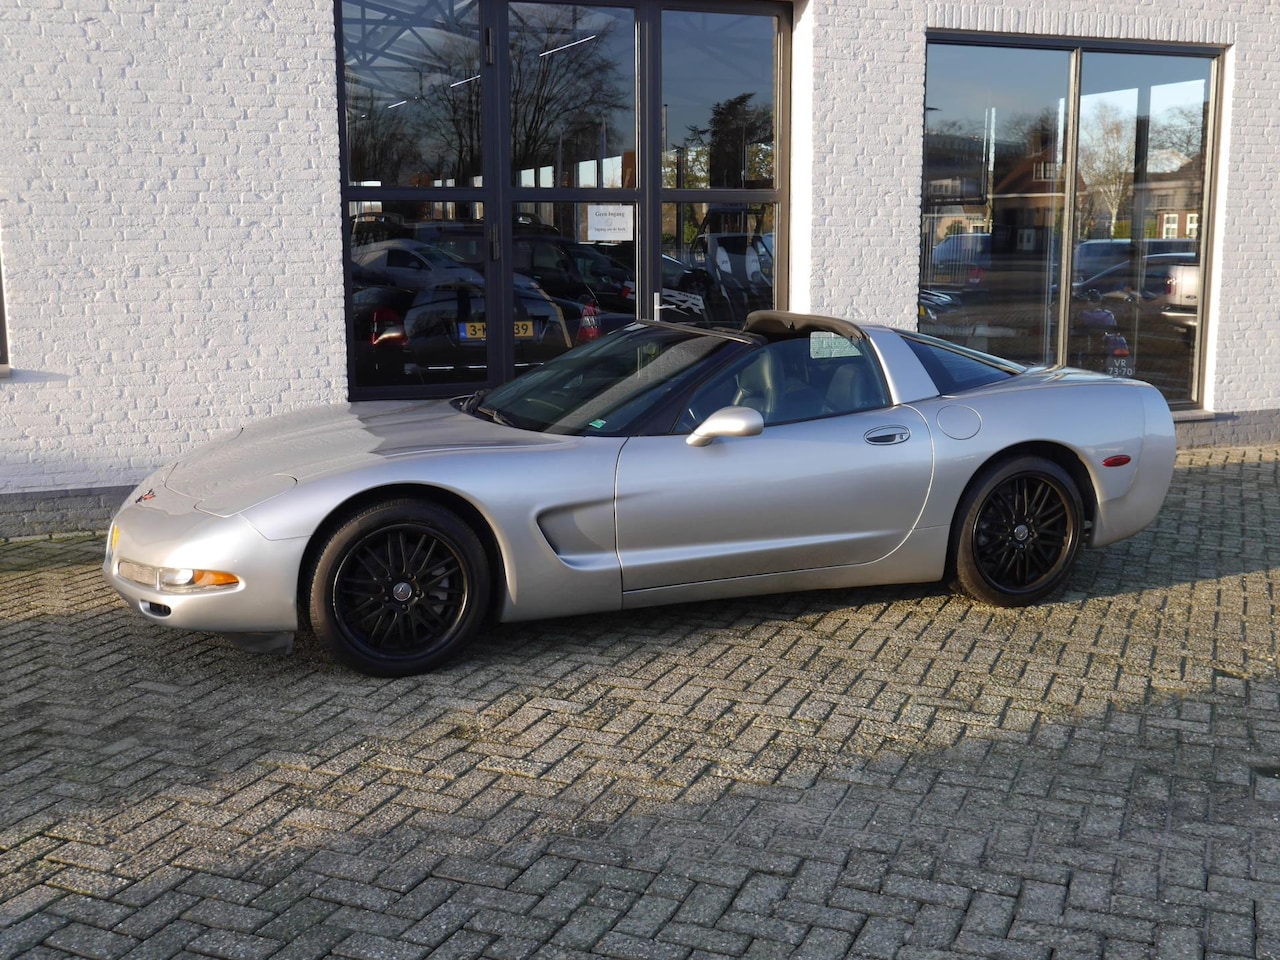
549,500
167,531
817,493
908,381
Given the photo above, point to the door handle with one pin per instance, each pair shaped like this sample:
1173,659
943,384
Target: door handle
884,436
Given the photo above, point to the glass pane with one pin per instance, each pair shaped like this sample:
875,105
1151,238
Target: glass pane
412,74
994,195
717,261
1136,266
418,294
573,96
573,273
718,100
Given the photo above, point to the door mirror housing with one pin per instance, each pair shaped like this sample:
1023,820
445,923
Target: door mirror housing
727,422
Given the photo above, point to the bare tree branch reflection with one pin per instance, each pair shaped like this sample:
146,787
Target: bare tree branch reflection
1106,155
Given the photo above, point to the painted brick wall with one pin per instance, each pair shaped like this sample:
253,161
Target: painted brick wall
169,228
859,96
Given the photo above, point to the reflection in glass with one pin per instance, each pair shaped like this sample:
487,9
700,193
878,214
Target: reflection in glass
418,295
576,261
1136,266
412,79
573,99
994,194
992,251
717,261
718,100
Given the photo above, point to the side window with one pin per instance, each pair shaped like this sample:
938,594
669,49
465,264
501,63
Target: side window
404,260
852,383
956,369
805,378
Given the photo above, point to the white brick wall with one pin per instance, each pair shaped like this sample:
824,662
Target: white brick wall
170,212
169,228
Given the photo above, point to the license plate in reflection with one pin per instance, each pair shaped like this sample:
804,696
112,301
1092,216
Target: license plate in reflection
476,331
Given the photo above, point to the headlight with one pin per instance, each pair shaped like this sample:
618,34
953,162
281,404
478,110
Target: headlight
184,579
176,579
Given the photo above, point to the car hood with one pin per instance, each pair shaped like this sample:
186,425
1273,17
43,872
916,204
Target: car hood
270,456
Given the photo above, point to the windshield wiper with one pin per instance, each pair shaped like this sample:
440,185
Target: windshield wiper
470,403
494,415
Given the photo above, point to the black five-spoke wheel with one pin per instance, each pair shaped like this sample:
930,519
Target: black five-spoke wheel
1017,532
398,587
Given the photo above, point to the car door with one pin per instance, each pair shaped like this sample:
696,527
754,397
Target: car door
827,491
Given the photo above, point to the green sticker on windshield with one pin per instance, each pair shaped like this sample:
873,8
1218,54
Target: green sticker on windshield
596,424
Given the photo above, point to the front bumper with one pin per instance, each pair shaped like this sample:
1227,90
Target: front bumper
264,600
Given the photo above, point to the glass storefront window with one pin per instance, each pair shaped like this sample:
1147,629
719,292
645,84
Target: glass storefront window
718,261
573,96
573,275
718,113
512,188
993,197
1137,269
413,94
1001,192
417,295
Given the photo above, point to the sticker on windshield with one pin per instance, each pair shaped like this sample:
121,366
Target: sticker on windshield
824,344
596,424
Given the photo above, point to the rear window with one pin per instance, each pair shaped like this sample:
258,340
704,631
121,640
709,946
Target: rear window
955,369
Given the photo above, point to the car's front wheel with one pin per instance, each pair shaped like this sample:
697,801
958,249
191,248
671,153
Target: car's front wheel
1017,532
398,587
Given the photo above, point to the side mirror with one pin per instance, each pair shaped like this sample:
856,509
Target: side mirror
727,422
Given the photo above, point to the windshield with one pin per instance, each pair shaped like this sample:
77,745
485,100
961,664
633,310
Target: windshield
605,387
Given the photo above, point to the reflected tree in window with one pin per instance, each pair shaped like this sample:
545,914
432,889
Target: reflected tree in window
380,143
735,149
565,88
1106,166
449,121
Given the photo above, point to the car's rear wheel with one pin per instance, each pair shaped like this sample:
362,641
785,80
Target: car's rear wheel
1017,532
398,587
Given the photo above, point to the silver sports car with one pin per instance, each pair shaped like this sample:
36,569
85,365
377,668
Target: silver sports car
661,464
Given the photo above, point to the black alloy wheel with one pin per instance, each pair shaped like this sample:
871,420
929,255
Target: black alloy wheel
1018,531
399,587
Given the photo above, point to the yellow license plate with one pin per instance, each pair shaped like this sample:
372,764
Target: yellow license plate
476,331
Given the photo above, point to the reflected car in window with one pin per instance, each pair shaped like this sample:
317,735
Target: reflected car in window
663,463
1165,293
737,269
440,334
1092,257
411,264
575,271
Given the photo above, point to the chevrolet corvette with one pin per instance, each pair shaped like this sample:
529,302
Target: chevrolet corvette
661,464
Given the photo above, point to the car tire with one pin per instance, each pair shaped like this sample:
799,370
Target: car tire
1017,532
398,587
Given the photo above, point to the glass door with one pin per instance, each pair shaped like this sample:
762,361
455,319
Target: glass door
1137,269
417,239
573,181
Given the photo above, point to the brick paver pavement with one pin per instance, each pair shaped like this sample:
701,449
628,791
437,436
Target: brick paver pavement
868,773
